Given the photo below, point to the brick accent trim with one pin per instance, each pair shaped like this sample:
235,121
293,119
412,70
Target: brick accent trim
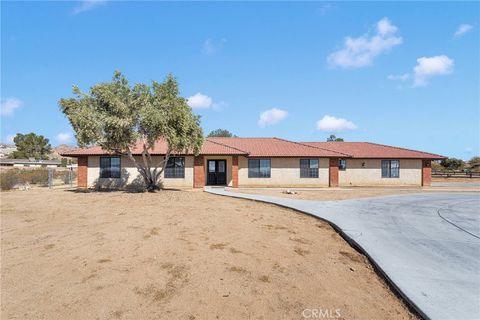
235,171
426,173
333,172
82,172
199,172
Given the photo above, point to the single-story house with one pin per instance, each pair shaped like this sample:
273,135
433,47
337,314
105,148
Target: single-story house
30,163
263,162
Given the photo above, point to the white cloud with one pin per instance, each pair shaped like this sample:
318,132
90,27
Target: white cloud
428,67
332,124
399,77
271,116
64,137
462,29
87,5
210,46
9,105
199,101
361,51
202,101
468,150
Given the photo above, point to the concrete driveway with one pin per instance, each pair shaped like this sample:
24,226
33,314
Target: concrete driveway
428,245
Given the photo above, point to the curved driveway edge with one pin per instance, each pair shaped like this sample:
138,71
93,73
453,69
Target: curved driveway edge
431,263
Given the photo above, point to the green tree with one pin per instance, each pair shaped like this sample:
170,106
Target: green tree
31,146
333,138
221,133
452,163
116,116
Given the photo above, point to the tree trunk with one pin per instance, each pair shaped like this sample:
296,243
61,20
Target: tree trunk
148,170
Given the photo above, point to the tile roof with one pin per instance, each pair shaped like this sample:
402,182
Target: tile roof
277,147
160,148
374,150
274,147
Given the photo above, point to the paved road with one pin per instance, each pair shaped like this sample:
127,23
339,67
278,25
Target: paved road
427,244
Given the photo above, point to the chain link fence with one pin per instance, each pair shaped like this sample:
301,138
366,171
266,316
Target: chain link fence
25,178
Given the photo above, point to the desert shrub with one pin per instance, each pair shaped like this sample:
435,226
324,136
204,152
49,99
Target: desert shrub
10,178
64,176
36,176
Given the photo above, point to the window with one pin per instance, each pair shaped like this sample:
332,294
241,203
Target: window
308,168
109,167
175,168
390,168
259,168
342,164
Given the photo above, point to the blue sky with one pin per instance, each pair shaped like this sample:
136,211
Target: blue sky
404,74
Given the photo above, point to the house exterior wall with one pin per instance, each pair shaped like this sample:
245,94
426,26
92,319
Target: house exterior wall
426,173
82,172
285,172
130,178
333,172
371,173
199,172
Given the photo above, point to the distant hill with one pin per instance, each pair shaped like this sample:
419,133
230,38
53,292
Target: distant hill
60,149
6,149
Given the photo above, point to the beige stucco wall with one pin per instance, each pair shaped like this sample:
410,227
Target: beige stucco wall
130,177
371,173
229,167
285,172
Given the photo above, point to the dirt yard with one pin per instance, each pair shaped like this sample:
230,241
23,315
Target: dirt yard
177,255
353,192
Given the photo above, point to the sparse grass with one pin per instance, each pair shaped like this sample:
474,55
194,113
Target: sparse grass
238,269
218,246
300,251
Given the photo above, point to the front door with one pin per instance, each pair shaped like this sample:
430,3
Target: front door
217,172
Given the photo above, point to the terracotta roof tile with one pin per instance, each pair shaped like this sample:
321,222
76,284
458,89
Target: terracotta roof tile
275,147
160,148
374,150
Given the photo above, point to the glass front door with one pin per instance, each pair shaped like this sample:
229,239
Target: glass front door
217,172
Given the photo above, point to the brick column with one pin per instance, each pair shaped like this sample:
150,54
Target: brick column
333,172
82,172
199,172
235,171
426,173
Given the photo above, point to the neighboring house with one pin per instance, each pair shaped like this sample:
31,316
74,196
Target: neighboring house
263,162
32,163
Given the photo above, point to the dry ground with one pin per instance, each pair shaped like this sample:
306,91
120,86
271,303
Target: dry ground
177,255
455,180
345,193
